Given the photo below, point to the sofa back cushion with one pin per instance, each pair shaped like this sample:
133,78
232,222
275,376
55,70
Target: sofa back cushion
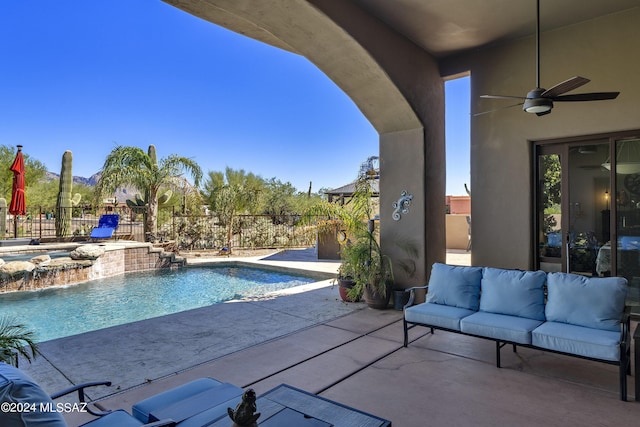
456,286
513,292
593,302
16,387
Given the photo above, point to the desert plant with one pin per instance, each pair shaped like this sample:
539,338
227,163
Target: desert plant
65,202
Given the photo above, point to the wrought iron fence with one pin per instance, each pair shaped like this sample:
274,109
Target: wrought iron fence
187,231
246,231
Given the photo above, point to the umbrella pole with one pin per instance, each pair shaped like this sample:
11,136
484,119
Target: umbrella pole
15,226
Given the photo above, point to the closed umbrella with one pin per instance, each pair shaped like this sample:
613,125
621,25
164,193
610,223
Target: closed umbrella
18,204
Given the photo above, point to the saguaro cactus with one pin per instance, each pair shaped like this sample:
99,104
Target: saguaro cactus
65,203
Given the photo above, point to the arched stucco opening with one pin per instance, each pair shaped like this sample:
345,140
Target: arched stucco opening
394,83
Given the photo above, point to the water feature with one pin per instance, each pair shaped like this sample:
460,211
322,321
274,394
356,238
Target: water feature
63,311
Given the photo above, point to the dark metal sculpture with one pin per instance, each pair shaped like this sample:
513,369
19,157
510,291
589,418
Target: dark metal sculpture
245,414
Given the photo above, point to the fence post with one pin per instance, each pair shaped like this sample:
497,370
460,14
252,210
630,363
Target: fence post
173,223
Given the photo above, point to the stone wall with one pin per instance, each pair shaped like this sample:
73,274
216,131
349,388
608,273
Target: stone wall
116,260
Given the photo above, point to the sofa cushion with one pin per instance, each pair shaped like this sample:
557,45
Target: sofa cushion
18,388
438,315
587,342
456,286
592,302
513,292
500,327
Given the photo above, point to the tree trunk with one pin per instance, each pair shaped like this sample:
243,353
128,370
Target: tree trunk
151,217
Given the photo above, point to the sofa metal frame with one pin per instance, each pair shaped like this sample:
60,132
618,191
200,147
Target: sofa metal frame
625,342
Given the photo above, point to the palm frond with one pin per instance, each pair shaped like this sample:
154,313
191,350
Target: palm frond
16,337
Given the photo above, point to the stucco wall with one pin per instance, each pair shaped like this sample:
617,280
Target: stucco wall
604,50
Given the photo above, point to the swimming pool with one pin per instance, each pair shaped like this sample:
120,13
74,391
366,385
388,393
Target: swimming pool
63,311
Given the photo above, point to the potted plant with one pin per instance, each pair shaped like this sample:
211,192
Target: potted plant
360,253
15,340
347,273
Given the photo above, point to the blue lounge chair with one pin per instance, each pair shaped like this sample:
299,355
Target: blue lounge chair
107,225
192,404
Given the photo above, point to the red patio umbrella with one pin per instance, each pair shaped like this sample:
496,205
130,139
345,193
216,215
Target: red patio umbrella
18,204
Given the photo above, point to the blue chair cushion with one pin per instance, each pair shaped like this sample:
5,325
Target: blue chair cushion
17,387
592,302
513,292
204,418
587,342
142,409
101,233
438,315
456,286
119,418
500,327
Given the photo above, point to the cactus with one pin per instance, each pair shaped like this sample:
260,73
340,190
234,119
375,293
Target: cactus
163,199
3,217
66,201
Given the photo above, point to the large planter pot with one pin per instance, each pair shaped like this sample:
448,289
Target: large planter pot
344,286
376,299
400,299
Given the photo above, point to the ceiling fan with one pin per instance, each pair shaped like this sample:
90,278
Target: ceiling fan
540,100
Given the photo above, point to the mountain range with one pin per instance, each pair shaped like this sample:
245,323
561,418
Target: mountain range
91,181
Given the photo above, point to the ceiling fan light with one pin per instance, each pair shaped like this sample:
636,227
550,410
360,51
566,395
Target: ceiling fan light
538,108
535,104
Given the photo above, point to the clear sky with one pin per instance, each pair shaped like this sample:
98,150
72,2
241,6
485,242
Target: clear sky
87,75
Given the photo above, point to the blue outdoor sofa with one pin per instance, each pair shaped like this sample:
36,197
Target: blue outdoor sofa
562,313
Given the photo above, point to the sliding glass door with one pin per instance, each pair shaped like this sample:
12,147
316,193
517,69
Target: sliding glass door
587,202
572,206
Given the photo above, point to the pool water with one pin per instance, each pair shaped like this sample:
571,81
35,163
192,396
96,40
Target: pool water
60,312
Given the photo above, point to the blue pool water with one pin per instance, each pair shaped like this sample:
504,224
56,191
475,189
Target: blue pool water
59,312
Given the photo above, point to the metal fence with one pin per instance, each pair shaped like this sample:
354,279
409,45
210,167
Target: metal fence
187,231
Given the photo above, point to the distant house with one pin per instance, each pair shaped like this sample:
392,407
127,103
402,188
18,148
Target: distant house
341,194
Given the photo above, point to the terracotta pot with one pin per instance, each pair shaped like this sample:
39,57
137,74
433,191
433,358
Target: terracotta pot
344,286
376,299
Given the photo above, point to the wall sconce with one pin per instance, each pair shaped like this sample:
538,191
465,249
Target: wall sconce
401,206
606,198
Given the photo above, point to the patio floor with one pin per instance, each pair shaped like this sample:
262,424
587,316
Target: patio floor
353,355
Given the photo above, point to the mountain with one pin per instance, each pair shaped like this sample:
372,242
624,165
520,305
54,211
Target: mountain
91,181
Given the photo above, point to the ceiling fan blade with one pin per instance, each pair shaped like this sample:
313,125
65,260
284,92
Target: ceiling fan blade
501,97
593,96
565,86
498,109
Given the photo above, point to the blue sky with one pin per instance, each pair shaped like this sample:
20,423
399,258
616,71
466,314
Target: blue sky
89,75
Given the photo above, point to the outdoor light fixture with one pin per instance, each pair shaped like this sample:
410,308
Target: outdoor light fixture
536,104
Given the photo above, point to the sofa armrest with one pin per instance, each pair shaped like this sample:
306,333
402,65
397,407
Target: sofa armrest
412,295
81,396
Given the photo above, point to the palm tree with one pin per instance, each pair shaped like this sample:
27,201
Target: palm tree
132,166
15,338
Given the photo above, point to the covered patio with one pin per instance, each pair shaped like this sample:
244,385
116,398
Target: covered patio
439,380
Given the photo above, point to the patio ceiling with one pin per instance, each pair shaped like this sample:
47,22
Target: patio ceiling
446,27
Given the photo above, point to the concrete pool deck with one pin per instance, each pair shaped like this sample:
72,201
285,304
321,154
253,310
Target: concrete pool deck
345,352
